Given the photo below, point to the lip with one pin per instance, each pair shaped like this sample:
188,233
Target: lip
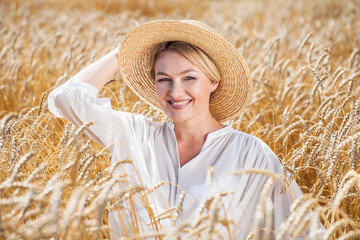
179,104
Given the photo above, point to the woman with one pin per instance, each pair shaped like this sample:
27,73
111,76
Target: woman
199,80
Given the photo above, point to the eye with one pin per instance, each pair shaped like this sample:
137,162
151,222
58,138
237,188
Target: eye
189,78
163,80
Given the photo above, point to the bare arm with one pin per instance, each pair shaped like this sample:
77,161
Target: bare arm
100,71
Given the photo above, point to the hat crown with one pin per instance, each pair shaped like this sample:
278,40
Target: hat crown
199,24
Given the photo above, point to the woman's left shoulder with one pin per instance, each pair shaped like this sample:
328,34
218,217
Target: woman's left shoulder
258,148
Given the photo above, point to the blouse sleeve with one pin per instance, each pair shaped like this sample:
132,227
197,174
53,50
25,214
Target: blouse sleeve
249,211
76,101
282,200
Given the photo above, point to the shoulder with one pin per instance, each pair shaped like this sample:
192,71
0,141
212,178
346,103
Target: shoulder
136,123
249,139
257,148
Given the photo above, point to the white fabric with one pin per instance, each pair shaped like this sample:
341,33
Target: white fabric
152,147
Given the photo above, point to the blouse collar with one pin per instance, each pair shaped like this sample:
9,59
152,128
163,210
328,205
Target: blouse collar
217,133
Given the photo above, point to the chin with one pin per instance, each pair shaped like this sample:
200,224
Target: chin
177,117
183,115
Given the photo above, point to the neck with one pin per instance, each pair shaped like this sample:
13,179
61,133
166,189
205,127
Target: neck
196,130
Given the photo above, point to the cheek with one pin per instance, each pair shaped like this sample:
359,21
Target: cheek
160,90
202,91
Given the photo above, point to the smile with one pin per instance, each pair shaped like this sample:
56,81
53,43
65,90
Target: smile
179,104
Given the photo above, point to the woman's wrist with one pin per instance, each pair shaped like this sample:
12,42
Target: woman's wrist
100,71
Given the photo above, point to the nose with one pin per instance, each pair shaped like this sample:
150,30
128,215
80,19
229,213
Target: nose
176,89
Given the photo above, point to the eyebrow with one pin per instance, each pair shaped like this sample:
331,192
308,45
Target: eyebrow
183,72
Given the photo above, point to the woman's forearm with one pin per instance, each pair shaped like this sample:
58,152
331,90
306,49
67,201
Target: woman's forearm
100,71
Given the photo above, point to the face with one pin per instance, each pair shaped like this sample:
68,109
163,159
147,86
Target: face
183,90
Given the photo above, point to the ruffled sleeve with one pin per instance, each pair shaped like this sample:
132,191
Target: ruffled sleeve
76,101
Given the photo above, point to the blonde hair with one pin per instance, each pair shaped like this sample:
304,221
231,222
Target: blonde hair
194,54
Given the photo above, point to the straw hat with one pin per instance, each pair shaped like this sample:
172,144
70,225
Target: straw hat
235,87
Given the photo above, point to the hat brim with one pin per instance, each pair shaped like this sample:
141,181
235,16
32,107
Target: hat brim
235,87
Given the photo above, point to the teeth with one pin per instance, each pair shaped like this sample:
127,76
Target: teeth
179,103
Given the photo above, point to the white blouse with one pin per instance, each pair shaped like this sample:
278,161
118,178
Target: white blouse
153,149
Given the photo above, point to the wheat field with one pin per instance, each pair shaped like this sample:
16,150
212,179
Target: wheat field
305,59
